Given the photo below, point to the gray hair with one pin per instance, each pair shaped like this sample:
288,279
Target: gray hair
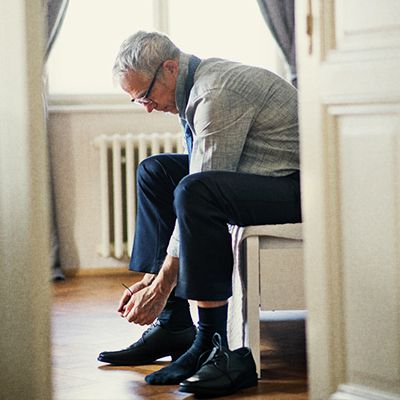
143,52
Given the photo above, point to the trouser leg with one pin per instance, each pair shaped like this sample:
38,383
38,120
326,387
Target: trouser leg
205,203
157,178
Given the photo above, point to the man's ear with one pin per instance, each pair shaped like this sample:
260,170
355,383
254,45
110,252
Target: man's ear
171,67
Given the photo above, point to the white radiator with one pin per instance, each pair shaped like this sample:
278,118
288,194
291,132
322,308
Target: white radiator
119,158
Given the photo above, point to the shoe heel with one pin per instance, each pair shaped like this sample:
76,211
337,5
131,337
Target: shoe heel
249,381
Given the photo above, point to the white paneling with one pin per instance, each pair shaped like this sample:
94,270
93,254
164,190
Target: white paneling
369,200
349,113
360,81
368,24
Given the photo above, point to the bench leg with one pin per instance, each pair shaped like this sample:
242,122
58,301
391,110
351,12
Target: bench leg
253,299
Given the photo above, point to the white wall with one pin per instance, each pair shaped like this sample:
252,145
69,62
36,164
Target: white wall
75,163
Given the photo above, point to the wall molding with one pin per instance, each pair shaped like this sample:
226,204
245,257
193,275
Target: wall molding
356,392
92,103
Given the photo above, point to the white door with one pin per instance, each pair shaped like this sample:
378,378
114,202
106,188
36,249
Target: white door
25,364
349,89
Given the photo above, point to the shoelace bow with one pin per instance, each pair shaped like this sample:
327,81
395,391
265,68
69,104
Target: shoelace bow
218,354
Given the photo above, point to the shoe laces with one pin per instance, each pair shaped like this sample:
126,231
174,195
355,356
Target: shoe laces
218,353
150,328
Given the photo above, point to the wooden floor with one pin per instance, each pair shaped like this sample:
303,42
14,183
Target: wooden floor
84,323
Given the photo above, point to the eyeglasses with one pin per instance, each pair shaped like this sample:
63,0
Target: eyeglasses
144,100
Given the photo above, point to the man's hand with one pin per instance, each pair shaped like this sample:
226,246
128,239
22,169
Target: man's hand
145,304
126,295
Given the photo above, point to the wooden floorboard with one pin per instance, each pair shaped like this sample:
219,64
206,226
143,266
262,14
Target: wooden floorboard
84,323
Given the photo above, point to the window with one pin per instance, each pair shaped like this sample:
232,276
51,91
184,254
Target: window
232,29
83,55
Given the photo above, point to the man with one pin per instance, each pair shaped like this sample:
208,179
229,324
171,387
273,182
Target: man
242,168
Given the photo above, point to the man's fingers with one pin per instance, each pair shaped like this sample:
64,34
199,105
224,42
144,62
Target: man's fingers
122,302
124,299
137,316
128,307
126,312
131,316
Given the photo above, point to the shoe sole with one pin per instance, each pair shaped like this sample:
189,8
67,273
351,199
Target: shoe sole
245,382
173,356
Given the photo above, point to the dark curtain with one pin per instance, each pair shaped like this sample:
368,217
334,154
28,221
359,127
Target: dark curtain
55,11
279,16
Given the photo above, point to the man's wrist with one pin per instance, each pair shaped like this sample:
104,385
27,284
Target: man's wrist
166,279
148,279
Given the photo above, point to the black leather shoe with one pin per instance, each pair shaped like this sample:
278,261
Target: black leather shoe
223,373
156,342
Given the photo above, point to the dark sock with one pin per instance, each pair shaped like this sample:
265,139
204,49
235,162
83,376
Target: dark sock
176,314
211,321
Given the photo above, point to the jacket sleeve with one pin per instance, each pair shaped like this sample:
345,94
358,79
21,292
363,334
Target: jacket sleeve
221,123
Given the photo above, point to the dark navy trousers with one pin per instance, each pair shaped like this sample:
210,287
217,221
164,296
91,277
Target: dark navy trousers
204,204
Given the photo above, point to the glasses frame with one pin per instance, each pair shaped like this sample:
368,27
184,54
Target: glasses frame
144,100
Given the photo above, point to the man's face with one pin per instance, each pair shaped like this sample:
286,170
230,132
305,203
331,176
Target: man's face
161,96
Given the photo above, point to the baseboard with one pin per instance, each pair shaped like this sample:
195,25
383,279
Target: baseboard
356,392
98,271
